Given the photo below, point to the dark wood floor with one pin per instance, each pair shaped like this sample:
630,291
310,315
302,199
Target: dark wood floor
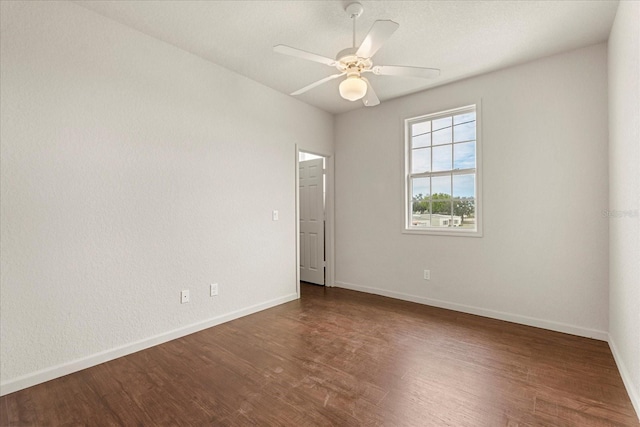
338,357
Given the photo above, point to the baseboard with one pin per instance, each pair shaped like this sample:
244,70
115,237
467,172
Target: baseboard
53,372
626,378
509,317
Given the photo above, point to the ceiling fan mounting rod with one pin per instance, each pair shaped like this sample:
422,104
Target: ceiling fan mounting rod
353,43
354,10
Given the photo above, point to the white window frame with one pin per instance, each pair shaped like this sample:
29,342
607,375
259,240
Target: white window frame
407,196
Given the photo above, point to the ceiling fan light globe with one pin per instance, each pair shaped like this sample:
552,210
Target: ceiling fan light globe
353,88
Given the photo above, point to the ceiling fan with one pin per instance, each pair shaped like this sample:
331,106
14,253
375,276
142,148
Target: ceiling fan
355,61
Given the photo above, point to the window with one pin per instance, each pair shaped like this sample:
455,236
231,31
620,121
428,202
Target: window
442,173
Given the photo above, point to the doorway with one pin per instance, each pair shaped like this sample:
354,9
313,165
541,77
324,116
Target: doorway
328,248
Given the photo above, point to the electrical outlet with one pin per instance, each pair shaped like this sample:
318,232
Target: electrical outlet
214,289
184,296
427,275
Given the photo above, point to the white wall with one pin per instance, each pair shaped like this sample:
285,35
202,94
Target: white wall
543,259
624,195
132,170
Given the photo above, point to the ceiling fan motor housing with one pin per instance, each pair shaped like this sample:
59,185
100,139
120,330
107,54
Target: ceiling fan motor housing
347,61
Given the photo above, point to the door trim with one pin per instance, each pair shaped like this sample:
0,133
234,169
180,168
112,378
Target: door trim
329,239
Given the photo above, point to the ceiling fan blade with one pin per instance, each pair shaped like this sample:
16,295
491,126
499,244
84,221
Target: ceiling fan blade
378,34
397,70
370,98
318,83
292,51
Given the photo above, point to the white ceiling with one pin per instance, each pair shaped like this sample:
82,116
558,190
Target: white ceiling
462,38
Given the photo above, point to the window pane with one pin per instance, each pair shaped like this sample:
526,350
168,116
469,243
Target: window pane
441,206
464,185
421,160
441,123
442,136
423,140
464,155
420,202
442,158
466,117
420,128
465,210
441,186
420,189
464,132
420,219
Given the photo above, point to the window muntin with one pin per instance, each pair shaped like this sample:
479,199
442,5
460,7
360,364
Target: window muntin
442,173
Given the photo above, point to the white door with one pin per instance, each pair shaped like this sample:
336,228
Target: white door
312,221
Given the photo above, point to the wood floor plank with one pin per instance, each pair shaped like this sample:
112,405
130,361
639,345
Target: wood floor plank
343,358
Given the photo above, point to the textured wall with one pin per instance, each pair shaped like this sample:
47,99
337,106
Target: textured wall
543,259
132,170
624,194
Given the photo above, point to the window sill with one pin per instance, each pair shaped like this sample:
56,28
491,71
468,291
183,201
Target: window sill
448,232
